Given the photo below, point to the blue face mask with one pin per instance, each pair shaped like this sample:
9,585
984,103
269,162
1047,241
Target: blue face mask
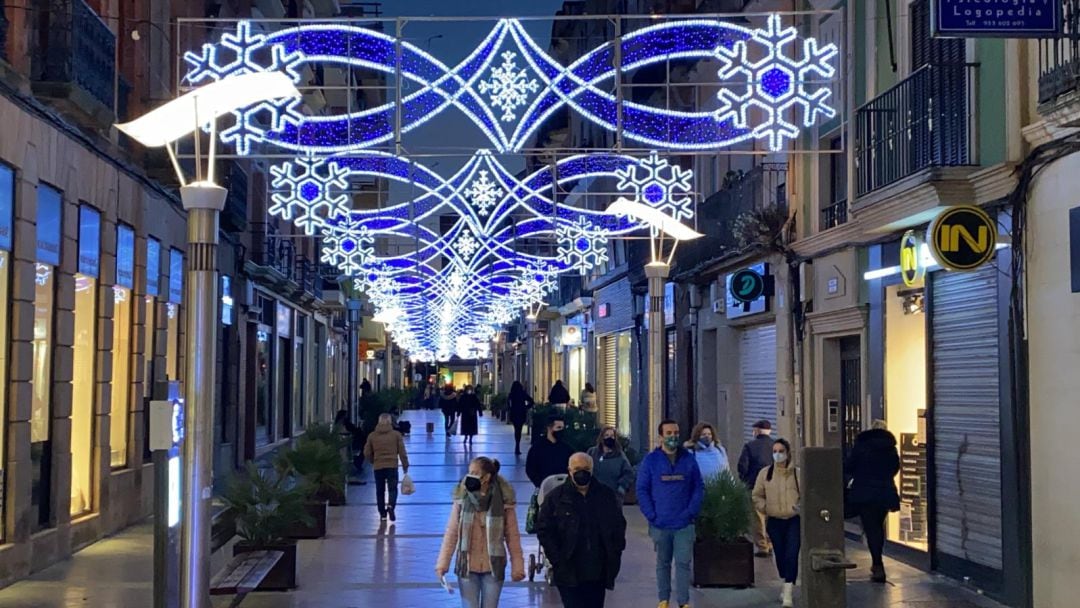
705,442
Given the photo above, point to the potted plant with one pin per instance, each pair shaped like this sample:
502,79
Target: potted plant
320,472
723,557
263,505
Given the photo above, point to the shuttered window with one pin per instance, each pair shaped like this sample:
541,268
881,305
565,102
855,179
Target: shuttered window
757,366
608,396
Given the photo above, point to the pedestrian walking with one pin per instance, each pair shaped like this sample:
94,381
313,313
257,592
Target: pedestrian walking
520,403
583,532
354,438
588,399
757,455
548,455
365,388
559,396
481,534
469,411
611,467
384,449
871,469
670,491
778,497
448,405
711,457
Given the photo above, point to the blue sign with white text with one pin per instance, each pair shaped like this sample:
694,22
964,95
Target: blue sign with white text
997,18
49,208
153,266
176,276
125,256
89,241
7,205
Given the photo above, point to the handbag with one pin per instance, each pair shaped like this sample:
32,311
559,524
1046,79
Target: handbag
407,485
530,516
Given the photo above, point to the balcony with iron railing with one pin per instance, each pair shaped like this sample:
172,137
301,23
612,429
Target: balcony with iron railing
74,62
1059,67
922,122
757,195
274,261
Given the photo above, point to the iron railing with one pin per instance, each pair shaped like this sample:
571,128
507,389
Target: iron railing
1059,57
923,121
4,23
762,188
77,48
279,253
834,215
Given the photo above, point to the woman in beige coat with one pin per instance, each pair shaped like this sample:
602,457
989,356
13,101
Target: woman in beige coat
482,532
777,495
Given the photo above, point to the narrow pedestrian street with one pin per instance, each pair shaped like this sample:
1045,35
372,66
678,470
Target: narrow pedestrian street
363,563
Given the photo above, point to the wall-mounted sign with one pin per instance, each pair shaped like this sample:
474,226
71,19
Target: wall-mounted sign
572,335
912,269
125,256
49,207
176,276
603,311
997,18
734,308
7,205
284,320
153,266
226,300
962,238
89,241
746,285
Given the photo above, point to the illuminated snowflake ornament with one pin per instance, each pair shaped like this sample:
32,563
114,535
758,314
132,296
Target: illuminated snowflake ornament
348,248
659,184
309,192
775,83
466,245
483,193
509,87
582,246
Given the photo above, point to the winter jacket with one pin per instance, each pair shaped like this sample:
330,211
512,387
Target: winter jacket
385,447
469,408
562,523
559,394
546,459
669,494
588,400
711,460
777,493
872,466
448,403
519,408
478,547
612,469
756,455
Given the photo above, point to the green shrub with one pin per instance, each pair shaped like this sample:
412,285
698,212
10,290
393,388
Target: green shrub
317,466
263,505
326,433
581,427
725,511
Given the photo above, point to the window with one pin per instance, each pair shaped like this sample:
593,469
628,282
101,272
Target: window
121,346
7,199
172,311
84,351
835,207
624,382
263,431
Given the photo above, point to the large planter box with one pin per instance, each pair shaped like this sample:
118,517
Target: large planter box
317,511
335,498
282,577
723,564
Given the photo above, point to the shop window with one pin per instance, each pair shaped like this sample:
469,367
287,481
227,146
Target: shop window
298,385
121,377
905,410
7,200
172,342
624,383
82,395
263,433
149,341
49,231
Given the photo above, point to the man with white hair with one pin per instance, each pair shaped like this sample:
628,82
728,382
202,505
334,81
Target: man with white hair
583,532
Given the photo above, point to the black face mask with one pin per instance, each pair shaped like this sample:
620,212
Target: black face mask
472,484
582,478
609,442
558,434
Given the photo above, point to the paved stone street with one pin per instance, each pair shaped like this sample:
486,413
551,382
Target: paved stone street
362,563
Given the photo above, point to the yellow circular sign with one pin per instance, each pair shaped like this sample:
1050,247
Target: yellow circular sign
912,269
962,238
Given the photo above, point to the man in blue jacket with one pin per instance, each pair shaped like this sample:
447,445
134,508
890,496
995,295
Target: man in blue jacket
669,491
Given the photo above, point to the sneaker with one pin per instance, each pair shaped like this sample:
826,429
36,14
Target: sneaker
393,516
786,598
663,604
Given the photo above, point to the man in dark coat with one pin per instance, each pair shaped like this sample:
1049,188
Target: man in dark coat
469,409
583,532
871,469
549,455
756,455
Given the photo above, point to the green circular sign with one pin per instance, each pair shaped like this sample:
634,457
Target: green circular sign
963,238
747,285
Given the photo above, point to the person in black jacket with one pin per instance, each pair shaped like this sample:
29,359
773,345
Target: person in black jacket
355,436
469,410
871,467
520,402
549,455
559,396
756,455
583,532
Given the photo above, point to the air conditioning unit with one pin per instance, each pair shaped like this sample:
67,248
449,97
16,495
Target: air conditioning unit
695,297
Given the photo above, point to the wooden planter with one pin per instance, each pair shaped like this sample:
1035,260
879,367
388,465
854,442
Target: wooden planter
336,498
282,577
317,511
723,564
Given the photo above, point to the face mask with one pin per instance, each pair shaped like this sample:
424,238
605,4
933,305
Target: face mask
472,483
779,457
582,478
671,443
705,441
559,434
609,442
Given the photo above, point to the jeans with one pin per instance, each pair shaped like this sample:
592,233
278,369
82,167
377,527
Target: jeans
386,479
786,542
583,595
677,545
873,524
480,590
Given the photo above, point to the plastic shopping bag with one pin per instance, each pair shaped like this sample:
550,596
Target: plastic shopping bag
407,485
530,516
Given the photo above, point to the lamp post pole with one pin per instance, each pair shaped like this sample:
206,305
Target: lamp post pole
530,355
657,273
203,202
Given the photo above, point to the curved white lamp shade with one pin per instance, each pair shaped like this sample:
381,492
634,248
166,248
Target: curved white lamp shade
654,218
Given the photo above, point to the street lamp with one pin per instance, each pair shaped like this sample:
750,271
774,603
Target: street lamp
660,225
203,200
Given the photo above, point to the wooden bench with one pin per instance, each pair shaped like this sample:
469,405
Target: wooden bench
243,574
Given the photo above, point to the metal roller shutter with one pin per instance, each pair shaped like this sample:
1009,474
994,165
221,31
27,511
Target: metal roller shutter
757,366
966,415
608,391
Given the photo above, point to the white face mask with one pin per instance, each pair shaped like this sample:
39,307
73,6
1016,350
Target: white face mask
779,457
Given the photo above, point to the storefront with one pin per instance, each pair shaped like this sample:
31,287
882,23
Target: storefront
616,359
7,206
84,367
757,352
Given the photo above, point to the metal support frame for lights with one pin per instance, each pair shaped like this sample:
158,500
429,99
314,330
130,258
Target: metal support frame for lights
203,200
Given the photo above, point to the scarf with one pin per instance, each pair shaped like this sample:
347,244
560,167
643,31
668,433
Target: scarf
491,507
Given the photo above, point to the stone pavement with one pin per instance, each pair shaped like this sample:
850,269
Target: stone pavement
364,563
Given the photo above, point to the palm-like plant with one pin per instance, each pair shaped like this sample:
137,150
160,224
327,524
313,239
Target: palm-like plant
726,510
263,505
317,465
